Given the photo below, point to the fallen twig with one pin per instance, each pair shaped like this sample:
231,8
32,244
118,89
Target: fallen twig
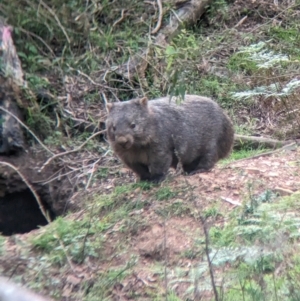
210,267
119,20
91,175
57,20
231,201
39,38
160,16
70,151
241,22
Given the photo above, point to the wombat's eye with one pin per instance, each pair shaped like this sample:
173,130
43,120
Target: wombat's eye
132,125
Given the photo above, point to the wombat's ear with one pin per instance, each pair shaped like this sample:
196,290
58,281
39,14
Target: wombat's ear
143,101
108,107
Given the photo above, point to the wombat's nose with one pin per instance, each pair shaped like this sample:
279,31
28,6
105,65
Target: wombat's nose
124,141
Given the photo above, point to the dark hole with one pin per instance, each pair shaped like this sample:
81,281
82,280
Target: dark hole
20,213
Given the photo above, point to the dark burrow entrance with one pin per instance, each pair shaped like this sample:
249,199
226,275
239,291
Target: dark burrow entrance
20,213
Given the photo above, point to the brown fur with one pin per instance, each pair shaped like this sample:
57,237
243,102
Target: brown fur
150,137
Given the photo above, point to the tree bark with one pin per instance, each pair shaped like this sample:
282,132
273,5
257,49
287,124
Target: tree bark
189,12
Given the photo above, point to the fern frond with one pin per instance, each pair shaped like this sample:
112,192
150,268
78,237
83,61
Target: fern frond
273,90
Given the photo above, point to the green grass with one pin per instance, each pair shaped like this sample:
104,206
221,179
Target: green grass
165,193
66,238
246,250
241,62
178,207
213,211
106,281
78,239
286,38
243,154
256,239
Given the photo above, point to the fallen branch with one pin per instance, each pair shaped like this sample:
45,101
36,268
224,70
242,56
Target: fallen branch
188,14
239,140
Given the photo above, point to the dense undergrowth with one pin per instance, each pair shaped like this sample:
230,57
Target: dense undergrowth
88,42
252,70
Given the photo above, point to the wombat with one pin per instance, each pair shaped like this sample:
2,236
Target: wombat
152,136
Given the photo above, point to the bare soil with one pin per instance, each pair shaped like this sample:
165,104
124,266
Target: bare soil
168,239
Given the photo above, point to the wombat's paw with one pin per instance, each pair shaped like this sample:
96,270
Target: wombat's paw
201,170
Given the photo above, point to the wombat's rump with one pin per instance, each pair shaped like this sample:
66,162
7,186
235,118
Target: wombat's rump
151,136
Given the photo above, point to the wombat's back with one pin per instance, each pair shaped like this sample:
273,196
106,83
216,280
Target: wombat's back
201,129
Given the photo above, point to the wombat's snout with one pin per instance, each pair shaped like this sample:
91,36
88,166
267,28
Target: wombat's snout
125,141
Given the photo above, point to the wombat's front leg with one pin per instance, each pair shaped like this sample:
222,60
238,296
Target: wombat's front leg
144,173
203,163
159,167
141,170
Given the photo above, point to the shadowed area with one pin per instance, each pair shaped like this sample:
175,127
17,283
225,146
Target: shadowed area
20,213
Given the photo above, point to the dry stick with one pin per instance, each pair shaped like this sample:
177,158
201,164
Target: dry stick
86,76
160,16
31,189
71,151
91,175
241,22
39,38
176,16
49,180
104,98
57,20
230,201
119,20
166,259
26,127
206,235
211,272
